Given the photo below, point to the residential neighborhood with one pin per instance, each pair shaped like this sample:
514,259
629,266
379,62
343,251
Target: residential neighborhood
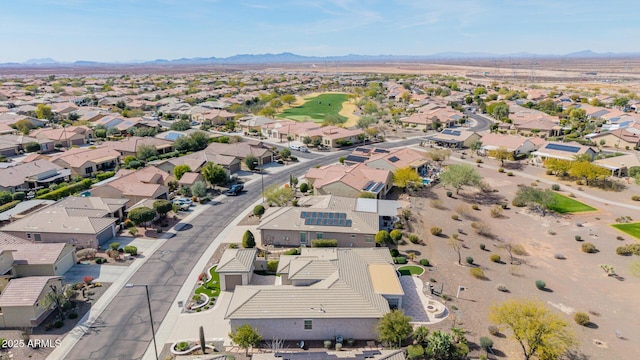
359,215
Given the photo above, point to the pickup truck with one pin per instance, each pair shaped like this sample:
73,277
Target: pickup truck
234,189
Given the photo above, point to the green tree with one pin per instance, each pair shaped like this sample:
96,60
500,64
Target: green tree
181,125
252,162
394,328
145,151
24,126
31,147
406,176
44,112
620,102
421,335
535,199
370,108
199,189
267,111
383,237
558,166
502,154
440,346
285,153
141,215
162,207
180,170
288,99
57,298
539,331
214,174
475,147
587,171
307,140
245,337
458,176
198,140
248,240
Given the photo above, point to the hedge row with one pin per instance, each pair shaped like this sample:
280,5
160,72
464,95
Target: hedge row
105,175
324,243
9,205
67,190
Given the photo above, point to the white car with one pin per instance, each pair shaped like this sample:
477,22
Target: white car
183,203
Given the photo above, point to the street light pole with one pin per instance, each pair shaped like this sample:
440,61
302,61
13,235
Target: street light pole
153,330
261,176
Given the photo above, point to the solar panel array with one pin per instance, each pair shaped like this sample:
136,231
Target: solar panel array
565,148
451,132
173,136
362,149
325,218
381,151
393,159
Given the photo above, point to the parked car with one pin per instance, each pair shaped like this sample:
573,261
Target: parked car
183,203
234,189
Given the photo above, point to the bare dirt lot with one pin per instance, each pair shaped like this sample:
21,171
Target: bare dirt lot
576,283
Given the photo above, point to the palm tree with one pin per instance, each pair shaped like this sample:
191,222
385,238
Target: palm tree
57,298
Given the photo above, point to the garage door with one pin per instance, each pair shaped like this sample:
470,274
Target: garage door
231,281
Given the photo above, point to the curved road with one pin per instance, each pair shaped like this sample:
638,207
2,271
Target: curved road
481,122
122,330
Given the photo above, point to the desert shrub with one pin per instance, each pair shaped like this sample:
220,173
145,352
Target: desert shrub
248,240
183,345
394,252
559,256
589,248
291,252
424,262
114,254
73,316
619,238
635,198
510,173
86,253
58,324
495,258
131,250
483,247
415,351
549,172
478,161
493,330
477,273
324,243
486,343
272,266
19,195
541,284
623,250
100,260
436,204
133,231
519,250
481,228
469,260
396,235
581,318
455,217
304,187
449,194
501,170
87,279
415,239
578,238
114,245
455,236
258,210
435,230
400,260
555,187
517,202
496,211
475,207
502,287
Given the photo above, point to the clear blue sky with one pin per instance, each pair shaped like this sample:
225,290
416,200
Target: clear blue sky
124,30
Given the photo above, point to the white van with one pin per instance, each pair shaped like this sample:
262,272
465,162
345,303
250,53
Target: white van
294,147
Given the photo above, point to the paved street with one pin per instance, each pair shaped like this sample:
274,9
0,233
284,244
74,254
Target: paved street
123,331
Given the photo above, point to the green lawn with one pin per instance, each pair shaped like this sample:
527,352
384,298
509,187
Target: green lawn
632,229
316,108
410,270
211,288
566,204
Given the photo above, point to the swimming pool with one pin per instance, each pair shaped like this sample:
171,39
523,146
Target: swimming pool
426,181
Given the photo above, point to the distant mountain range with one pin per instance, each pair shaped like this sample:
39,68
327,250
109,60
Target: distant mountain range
288,58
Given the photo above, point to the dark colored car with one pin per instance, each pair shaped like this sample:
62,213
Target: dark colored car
235,189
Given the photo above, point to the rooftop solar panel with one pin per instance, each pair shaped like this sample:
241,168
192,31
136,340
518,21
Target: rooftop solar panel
381,151
353,158
393,159
565,148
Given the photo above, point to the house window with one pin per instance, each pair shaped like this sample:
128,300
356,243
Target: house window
368,238
88,170
37,237
318,235
308,324
303,238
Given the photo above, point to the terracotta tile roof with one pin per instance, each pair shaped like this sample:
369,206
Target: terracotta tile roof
35,254
25,291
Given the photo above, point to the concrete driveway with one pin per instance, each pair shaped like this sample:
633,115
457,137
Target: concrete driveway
216,328
100,273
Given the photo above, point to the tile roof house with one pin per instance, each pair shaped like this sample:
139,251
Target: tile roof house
350,181
353,222
241,150
65,136
395,159
22,301
38,173
454,138
328,292
513,143
563,151
134,185
130,145
11,144
39,259
86,161
236,267
81,221
198,159
619,139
